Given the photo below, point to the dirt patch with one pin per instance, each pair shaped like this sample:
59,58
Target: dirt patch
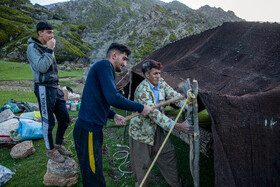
18,85
28,85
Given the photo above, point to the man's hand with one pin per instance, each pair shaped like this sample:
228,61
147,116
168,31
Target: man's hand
51,43
146,110
119,120
184,127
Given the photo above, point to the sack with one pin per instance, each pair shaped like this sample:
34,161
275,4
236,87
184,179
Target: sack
6,115
27,130
5,128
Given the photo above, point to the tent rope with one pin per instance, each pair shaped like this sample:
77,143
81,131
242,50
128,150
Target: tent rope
124,77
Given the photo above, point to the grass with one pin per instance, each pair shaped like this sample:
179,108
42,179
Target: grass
30,171
14,71
10,71
6,95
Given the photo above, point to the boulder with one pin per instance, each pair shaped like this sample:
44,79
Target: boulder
84,75
22,150
68,69
61,174
62,67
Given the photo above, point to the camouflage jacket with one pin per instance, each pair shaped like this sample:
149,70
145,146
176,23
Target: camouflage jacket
142,128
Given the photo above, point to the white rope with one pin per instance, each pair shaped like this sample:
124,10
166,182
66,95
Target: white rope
125,157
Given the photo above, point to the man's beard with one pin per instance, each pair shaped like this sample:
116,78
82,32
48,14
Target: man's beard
118,69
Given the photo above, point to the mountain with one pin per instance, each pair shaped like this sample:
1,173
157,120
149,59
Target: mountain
18,19
92,25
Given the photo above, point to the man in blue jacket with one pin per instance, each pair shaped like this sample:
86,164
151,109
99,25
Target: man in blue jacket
99,95
40,54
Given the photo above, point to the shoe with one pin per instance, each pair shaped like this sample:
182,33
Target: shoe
55,156
62,150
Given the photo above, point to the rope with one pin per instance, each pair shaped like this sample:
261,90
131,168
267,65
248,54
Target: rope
123,77
125,157
190,96
71,142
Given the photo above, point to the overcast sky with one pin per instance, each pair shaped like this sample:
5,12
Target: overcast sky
250,10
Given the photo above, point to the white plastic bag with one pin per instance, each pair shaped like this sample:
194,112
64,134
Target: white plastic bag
5,175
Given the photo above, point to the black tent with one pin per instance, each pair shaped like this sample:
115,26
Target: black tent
237,66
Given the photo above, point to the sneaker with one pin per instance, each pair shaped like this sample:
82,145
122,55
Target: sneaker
55,156
62,150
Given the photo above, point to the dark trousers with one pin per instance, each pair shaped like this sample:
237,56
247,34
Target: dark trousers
51,101
92,173
141,156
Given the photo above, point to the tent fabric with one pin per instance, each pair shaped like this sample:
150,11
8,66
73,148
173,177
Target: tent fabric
237,66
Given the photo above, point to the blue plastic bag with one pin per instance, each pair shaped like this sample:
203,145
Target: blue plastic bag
27,130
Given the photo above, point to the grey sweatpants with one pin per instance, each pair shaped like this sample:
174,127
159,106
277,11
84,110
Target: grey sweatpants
141,156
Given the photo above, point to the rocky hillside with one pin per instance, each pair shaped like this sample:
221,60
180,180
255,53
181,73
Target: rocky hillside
18,19
143,25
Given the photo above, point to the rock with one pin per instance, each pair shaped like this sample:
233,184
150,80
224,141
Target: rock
84,75
22,150
61,174
66,63
61,67
68,69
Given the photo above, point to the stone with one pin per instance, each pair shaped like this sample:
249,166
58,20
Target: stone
22,150
62,67
84,75
68,69
61,174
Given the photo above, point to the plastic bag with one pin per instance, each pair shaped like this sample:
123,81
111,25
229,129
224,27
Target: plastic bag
5,175
35,115
27,130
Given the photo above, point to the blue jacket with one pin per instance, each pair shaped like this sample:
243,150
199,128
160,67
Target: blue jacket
99,94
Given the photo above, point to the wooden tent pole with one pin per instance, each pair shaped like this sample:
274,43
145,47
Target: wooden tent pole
196,135
190,115
194,140
129,95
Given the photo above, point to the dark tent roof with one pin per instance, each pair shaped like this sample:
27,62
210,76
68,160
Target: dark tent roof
237,66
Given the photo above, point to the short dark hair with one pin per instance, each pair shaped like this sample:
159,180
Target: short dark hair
149,64
119,47
44,25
